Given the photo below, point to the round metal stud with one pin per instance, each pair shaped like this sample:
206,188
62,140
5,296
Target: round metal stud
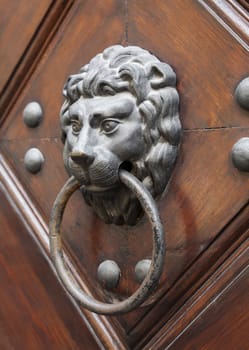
33,160
32,114
242,93
109,274
240,154
141,269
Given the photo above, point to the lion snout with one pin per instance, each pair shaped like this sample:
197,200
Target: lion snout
82,158
94,170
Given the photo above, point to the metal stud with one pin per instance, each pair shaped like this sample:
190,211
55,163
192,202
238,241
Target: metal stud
33,160
32,114
242,93
109,274
141,269
240,154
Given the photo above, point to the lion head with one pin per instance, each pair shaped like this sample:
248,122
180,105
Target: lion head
120,111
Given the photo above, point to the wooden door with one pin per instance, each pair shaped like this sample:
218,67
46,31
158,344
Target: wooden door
202,300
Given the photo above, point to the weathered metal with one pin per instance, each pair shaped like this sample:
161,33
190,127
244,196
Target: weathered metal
121,111
242,93
154,273
109,274
141,269
240,154
32,114
33,160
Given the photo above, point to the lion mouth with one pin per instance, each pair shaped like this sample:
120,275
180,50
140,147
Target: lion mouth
96,185
101,177
80,176
108,183
99,190
88,186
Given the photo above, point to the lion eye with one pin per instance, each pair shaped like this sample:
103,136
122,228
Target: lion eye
76,126
109,125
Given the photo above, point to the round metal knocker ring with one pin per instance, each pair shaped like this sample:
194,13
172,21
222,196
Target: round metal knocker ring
154,273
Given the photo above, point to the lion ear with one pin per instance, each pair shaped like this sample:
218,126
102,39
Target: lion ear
161,75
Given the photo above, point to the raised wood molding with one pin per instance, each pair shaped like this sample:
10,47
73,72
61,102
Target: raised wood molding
185,290
208,274
244,3
108,338
232,17
225,276
32,55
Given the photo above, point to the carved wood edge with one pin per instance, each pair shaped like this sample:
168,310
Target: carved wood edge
106,336
239,7
191,280
244,4
34,51
233,18
224,277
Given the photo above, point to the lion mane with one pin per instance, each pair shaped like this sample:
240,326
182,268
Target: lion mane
153,83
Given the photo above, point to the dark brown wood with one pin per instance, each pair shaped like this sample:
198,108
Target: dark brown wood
217,315
209,61
35,312
19,21
182,201
205,212
244,3
224,323
33,53
185,300
38,229
232,17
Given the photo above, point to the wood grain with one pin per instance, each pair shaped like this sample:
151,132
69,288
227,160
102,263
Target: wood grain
231,16
85,31
244,3
31,219
222,320
24,67
191,212
208,60
19,20
35,313
205,210
213,331
191,293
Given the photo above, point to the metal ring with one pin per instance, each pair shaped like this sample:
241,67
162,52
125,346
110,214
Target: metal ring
152,278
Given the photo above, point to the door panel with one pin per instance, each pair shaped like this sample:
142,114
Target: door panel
216,316
208,60
211,331
35,312
19,20
85,31
206,194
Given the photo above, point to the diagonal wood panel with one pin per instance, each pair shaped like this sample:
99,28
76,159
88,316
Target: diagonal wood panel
208,60
35,313
85,24
16,15
86,31
206,191
192,212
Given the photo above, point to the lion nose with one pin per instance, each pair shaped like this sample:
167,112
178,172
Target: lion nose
83,158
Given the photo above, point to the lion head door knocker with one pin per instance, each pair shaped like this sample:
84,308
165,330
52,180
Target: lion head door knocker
121,131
